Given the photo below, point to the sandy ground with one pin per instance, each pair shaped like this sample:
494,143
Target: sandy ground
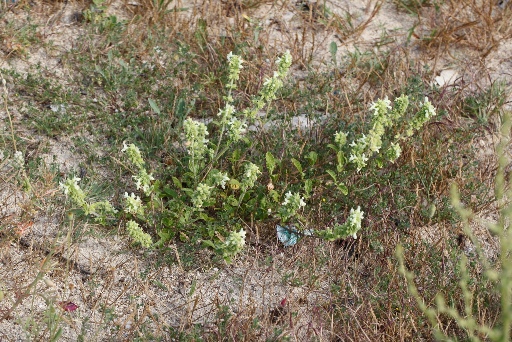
96,274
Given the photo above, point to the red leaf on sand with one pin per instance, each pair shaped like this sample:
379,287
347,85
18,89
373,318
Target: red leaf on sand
283,302
68,306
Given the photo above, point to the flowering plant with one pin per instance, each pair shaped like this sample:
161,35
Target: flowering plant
204,200
378,144
184,208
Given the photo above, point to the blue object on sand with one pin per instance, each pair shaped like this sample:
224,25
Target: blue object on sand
289,236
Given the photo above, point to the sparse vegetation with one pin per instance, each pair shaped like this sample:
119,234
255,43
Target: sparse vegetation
263,207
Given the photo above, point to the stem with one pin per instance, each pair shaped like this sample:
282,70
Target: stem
217,155
192,166
241,198
506,236
6,92
223,128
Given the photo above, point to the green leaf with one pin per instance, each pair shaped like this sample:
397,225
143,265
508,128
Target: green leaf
312,157
57,335
192,287
332,174
343,189
204,216
341,161
177,183
340,156
235,157
188,191
271,162
252,202
99,71
232,201
154,106
308,187
167,222
208,243
274,195
181,110
297,165
332,146
380,162
165,235
333,49
170,192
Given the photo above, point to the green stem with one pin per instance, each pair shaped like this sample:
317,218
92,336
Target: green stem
241,198
217,155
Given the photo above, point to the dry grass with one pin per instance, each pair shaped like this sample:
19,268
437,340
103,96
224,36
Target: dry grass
315,291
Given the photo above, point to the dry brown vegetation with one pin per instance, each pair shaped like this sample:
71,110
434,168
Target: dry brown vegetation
70,52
